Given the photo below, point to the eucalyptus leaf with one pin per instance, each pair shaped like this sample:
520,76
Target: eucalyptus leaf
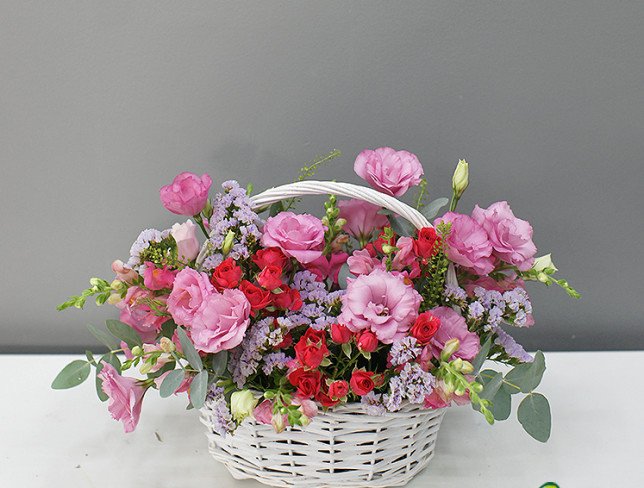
432,208
343,275
525,377
534,415
189,350
112,359
401,226
219,363
491,384
71,375
89,356
482,355
198,389
171,382
124,332
103,337
501,405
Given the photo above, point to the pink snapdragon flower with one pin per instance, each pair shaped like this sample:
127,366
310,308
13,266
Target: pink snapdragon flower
300,236
157,278
186,238
380,302
328,267
125,396
187,194
510,237
137,313
389,171
467,243
123,273
362,218
221,321
190,289
453,326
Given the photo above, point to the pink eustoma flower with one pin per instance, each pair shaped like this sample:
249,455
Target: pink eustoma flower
187,194
300,236
136,312
453,326
189,291
125,396
389,171
362,218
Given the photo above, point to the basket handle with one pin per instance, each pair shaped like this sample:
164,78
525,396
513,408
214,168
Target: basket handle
302,188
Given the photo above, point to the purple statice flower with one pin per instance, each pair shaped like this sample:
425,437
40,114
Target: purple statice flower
372,404
404,350
412,383
275,360
317,302
211,262
511,347
146,237
475,310
489,298
455,294
222,419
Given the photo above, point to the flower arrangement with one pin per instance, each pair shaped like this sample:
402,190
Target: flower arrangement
279,316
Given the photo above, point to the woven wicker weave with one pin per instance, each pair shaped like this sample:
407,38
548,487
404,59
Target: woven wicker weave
344,446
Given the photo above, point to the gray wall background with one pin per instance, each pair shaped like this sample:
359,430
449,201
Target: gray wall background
101,103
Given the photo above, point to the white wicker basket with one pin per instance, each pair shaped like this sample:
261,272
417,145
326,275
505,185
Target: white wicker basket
344,446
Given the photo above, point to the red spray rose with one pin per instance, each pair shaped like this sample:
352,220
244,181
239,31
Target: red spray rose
307,382
338,390
426,245
288,299
361,382
257,297
425,327
271,256
270,277
311,348
367,342
340,334
226,275
324,398
286,342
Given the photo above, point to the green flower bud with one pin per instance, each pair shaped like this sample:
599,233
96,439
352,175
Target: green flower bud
117,285
477,387
136,350
467,367
388,249
450,348
228,242
544,263
114,298
277,421
457,364
543,277
242,404
460,179
145,368
167,345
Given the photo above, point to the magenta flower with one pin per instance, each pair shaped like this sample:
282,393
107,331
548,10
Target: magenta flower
157,278
221,321
389,171
380,302
453,326
362,218
187,194
467,243
300,236
511,237
361,262
125,396
328,267
190,289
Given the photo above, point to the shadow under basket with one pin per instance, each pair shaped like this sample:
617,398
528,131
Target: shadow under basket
342,447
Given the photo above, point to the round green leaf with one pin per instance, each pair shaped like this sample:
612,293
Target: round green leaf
171,383
198,389
219,363
72,375
124,332
534,415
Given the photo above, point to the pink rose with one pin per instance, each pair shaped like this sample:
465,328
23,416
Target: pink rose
324,267
157,278
187,194
123,272
453,326
361,262
362,218
467,243
136,312
382,303
390,171
186,239
300,236
221,321
125,395
190,289
511,237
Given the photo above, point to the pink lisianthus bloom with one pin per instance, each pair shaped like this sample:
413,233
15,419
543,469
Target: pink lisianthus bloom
125,396
123,273
137,313
221,321
362,218
186,238
187,194
389,171
300,236
453,326
324,267
382,303
308,407
467,243
361,262
263,412
190,290
511,237
157,278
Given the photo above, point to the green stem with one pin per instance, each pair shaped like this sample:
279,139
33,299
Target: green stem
454,202
199,221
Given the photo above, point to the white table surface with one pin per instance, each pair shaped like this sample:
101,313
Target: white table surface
67,438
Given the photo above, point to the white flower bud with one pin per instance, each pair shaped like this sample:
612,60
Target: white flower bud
460,179
242,404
